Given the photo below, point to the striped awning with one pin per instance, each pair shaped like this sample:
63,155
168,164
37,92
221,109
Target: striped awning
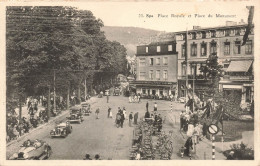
239,66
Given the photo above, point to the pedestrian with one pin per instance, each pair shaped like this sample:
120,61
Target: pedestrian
124,112
147,115
122,119
130,119
181,120
188,146
107,98
159,122
138,98
108,112
118,119
97,112
87,157
155,106
147,105
135,117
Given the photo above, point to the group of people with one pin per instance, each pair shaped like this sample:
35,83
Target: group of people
135,98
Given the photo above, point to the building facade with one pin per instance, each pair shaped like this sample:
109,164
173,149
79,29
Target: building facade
156,69
226,42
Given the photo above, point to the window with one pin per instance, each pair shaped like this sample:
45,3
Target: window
165,60
193,35
143,90
184,36
213,47
142,62
238,31
151,74
226,65
227,32
158,49
193,49
203,49
142,76
227,48
165,74
146,49
203,35
248,47
157,61
158,74
183,69
183,50
151,61
237,48
169,47
213,33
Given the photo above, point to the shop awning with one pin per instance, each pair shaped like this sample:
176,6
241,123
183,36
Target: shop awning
239,66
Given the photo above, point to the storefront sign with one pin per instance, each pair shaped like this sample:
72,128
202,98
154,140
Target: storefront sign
232,86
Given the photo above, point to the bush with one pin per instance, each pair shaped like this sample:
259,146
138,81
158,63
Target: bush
240,152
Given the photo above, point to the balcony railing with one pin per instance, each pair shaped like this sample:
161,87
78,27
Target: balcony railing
240,78
197,77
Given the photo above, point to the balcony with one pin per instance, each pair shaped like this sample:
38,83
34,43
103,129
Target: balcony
190,77
238,78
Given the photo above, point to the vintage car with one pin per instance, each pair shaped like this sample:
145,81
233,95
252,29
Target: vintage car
75,114
85,108
61,130
33,150
116,91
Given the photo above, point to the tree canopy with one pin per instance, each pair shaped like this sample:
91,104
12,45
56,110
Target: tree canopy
46,39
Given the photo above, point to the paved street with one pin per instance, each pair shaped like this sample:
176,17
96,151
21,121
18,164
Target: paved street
101,135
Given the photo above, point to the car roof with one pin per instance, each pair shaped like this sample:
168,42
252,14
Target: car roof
75,108
62,125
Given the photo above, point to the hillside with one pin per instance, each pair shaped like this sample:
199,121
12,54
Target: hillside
130,37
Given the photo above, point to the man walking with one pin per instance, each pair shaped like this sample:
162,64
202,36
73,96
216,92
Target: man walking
155,106
135,117
108,112
130,119
97,112
122,119
147,105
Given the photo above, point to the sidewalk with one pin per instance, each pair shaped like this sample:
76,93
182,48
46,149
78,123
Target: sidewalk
203,150
92,100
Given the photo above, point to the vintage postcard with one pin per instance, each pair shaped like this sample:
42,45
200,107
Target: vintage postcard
120,81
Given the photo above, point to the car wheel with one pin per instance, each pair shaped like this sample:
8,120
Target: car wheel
48,152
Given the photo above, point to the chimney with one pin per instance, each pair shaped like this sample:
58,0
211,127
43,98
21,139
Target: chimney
196,27
230,23
241,22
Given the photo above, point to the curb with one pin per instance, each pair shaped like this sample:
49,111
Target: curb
37,128
42,125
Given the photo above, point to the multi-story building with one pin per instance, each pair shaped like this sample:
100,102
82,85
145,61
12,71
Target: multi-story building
236,59
156,69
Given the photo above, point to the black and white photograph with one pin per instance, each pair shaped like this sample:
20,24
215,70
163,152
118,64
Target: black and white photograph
148,80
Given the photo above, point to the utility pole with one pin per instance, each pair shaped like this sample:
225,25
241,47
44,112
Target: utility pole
54,93
186,61
49,103
85,84
193,87
68,96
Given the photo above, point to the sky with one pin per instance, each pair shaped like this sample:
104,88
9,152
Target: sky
135,14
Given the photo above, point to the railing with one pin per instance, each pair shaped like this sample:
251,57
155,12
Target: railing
197,77
228,77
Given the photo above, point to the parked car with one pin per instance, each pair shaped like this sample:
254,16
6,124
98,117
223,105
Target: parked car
85,108
75,114
61,130
33,150
116,91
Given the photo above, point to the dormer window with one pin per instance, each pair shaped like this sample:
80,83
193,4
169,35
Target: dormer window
158,49
146,49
